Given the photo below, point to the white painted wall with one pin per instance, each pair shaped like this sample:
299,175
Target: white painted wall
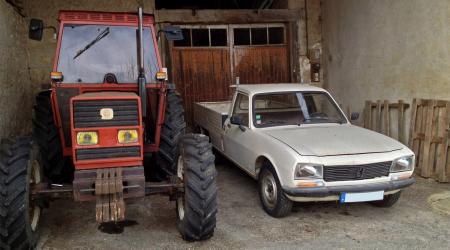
386,49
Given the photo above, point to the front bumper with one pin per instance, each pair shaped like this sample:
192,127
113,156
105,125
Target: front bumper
337,190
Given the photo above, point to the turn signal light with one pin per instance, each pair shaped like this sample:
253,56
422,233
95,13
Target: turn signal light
56,76
161,76
127,136
306,184
87,138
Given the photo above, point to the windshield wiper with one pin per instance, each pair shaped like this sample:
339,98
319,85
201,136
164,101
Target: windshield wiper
322,120
104,33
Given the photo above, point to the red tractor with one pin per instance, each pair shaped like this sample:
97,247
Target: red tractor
109,108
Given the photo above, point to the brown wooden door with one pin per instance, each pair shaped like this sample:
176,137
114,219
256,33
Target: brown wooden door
201,75
260,53
261,65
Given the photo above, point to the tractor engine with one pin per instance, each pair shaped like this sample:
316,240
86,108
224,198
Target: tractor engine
106,130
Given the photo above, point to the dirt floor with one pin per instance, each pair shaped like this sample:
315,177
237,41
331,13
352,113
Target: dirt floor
411,224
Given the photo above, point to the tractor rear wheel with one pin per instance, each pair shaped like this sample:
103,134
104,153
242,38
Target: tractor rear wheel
19,215
171,132
46,134
197,206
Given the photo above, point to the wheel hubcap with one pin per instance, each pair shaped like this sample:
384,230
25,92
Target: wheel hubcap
269,190
34,209
180,199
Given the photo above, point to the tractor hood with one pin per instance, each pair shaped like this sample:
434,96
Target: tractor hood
331,140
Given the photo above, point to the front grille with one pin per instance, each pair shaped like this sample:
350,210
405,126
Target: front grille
105,153
86,114
356,172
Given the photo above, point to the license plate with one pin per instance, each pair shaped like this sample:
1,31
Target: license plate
360,197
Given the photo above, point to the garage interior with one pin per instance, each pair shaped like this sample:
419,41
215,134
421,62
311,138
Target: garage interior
387,60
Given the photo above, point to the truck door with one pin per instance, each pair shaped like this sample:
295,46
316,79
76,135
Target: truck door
236,143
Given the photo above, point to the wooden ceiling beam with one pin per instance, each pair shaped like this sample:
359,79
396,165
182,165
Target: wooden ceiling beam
227,16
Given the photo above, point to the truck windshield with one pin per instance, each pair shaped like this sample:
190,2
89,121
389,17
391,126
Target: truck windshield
295,108
89,52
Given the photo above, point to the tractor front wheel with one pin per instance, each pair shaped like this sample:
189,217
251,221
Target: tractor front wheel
197,206
46,135
171,131
20,170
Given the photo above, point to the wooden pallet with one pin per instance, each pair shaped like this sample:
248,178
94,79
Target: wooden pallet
378,117
429,138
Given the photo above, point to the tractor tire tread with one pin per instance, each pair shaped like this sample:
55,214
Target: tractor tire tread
200,189
46,134
13,196
171,132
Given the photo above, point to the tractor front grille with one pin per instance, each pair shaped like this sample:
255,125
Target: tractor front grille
105,153
356,172
86,114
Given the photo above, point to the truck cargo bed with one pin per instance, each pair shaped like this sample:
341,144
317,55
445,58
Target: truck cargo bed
210,117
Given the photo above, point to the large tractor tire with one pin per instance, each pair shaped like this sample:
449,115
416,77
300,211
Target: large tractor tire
19,215
197,206
46,134
171,132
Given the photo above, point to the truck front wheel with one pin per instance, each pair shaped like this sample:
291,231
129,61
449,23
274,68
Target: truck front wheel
197,206
272,197
20,170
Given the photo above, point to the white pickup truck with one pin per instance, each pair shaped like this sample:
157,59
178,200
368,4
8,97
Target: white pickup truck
296,141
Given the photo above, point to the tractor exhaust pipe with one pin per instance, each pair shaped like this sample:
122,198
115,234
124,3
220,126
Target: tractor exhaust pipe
141,79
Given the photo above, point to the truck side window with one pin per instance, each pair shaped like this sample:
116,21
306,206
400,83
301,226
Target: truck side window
241,108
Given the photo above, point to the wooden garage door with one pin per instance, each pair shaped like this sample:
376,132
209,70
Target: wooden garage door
211,58
260,54
201,65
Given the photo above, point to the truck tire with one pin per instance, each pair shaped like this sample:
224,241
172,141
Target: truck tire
197,206
19,216
46,134
388,201
272,197
171,132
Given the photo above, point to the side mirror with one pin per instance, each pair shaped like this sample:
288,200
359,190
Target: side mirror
236,120
173,33
354,116
36,29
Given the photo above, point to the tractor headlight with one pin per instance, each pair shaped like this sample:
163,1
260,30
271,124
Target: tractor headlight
308,171
127,136
87,138
402,164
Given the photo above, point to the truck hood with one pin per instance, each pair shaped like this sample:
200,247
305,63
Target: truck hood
330,140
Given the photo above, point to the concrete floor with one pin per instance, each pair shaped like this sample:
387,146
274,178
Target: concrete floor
411,224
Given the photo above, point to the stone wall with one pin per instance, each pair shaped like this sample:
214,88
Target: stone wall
309,35
16,90
386,50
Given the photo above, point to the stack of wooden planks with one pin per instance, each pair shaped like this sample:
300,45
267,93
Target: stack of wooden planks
429,138
378,117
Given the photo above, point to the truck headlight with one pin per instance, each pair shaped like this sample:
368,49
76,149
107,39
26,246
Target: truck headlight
87,138
402,164
127,136
308,171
